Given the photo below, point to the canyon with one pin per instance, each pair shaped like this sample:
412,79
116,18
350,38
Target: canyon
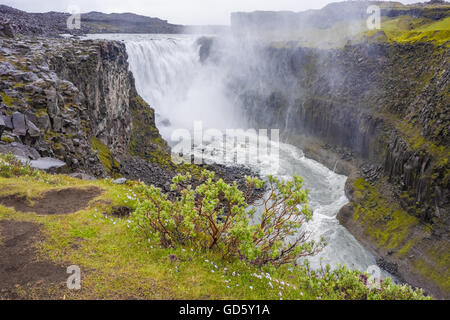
375,111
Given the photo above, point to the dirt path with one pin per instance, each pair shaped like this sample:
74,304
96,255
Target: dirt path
23,274
20,266
62,201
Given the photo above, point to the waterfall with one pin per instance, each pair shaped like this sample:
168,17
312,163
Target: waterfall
171,78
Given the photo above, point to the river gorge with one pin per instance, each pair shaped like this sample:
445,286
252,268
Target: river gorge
362,117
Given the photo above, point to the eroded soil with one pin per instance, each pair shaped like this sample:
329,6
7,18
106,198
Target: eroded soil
20,265
61,201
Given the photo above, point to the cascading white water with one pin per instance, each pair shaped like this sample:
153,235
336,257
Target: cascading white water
182,90
167,72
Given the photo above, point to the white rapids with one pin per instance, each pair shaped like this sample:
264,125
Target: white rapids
170,77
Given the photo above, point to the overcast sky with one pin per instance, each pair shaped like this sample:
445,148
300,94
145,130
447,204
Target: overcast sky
175,11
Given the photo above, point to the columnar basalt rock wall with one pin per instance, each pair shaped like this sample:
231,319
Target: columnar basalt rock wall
385,108
386,104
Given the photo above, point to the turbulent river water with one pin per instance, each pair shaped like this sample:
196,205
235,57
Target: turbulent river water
171,78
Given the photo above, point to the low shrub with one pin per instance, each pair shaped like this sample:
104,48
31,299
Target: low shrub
217,216
10,166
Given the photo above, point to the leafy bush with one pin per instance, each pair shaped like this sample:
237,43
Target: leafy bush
343,283
216,215
10,166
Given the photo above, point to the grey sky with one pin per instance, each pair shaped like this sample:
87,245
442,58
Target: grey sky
176,11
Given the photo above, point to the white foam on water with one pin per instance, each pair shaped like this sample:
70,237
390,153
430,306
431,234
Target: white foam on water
170,77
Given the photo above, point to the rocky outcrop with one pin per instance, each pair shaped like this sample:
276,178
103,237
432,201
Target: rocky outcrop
73,101
259,22
6,28
378,101
13,21
382,111
97,22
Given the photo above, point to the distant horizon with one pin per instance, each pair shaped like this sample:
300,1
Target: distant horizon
196,13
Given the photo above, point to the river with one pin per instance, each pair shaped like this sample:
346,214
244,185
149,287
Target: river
182,90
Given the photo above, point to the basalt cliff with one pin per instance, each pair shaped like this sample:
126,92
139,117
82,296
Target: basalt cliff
75,101
376,108
14,21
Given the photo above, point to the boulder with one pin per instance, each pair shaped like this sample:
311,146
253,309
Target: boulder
20,150
6,29
18,122
50,165
120,181
6,69
33,131
82,176
8,122
2,124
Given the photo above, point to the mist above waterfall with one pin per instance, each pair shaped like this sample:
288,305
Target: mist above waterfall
222,90
182,89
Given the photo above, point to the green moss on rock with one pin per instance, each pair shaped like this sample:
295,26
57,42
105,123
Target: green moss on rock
145,137
390,228
438,271
7,139
386,223
111,165
9,101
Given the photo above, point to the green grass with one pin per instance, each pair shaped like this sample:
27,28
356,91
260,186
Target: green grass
392,228
402,29
117,263
440,273
387,224
405,29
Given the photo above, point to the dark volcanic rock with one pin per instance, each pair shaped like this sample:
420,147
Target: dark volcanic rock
333,13
58,105
13,21
384,108
33,131
18,121
6,28
390,267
